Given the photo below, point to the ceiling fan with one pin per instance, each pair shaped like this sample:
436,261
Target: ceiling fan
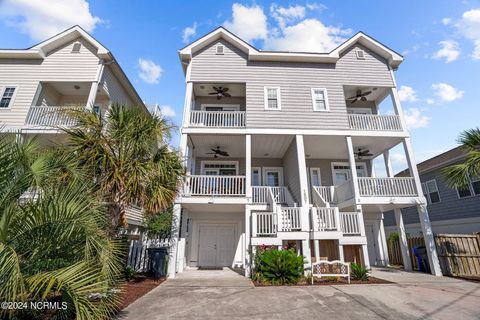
363,153
220,92
359,96
217,152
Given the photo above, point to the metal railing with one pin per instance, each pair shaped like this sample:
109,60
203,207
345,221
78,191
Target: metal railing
228,119
205,185
349,223
50,116
387,187
324,219
375,122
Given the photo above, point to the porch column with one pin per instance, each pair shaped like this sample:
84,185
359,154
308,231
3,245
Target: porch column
92,95
182,240
379,243
422,211
341,255
248,252
397,106
353,169
187,105
307,254
248,168
302,175
173,254
402,237
316,246
383,239
388,163
366,258
184,150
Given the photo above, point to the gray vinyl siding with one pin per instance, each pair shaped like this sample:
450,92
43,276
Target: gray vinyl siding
59,65
291,174
325,166
295,81
449,207
236,101
114,89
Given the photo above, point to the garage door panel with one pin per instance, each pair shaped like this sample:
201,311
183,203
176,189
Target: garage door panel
207,246
216,245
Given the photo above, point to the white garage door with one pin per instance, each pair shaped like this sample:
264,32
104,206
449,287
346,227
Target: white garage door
217,245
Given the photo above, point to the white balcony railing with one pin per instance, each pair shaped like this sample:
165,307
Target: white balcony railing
50,116
374,122
227,119
327,193
204,185
387,187
324,219
349,223
264,224
280,195
290,219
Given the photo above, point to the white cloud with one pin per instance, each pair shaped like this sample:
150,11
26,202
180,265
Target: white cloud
406,93
398,159
446,92
249,23
286,15
430,101
167,111
469,27
308,35
414,119
150,72
43,19
449,50
189,32
446,21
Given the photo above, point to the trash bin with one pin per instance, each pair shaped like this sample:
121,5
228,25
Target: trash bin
158,261
422,258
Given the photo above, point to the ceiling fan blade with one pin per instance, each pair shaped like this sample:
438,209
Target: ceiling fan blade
228,95
224,89
212,93
363,98
354,100
216,89
223,153
366,93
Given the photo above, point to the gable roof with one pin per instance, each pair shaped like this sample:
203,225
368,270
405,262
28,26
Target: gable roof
253,53
40,51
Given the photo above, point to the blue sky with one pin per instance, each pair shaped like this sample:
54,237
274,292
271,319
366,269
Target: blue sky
439,80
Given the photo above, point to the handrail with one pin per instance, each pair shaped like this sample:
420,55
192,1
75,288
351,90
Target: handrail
374,122
217,118
50,116
349,223
324,219
387,187
206,185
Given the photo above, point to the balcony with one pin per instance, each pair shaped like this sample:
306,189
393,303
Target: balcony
260,195
217,119
387,187
349,223
267,224
332,220
374,122
206,185
50,116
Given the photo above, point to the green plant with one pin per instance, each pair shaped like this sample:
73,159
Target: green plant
393,236
458,175
159,225
129,273
280,266
121,153
358,272
53,246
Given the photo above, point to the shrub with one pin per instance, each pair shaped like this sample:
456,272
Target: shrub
358,272
393,236
129,273
279,266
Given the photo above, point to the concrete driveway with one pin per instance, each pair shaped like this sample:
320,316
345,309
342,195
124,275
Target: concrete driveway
225,294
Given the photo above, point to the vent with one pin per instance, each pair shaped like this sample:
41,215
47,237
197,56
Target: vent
360,54
76,47
220,49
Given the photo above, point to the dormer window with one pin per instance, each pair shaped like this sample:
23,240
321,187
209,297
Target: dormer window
360,54
76,47
219,49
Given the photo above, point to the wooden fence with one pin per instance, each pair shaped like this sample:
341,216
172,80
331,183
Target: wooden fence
138,255
459,254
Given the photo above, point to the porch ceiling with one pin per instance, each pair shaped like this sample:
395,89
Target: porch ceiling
377,93
234,89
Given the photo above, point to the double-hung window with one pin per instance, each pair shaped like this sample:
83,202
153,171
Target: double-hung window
7,97
430,190
473,188
320,99
272,98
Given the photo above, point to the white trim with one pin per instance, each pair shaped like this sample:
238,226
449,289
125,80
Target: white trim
12,99
203,162
265,98
325,97
259,175
470,186
219,105
429,199
357,163
360,54
277,169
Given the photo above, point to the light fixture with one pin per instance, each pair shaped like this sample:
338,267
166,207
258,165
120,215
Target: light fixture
307,155
76,87
266,154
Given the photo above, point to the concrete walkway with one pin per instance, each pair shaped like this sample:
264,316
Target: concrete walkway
225,294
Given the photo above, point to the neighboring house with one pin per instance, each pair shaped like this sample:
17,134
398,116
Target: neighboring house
69,70
269,139
450,210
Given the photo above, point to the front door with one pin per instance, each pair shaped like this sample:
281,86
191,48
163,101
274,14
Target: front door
216,245
273,177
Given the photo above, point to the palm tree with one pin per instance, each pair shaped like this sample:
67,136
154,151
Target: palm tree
126,154
458,175
53,246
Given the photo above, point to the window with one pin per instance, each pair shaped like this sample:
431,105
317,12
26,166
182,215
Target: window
472,189
272,99
431,191
217,168
320,99
256,177
7,97
360,54
476,185
219,49
76,47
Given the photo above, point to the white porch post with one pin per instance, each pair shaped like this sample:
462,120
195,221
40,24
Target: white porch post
407,264
397,106
383,239
388,163
187,106
304,201
181,262
353,168
316,246
422,211
248,252
172,262
341,255
248,168
92,95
